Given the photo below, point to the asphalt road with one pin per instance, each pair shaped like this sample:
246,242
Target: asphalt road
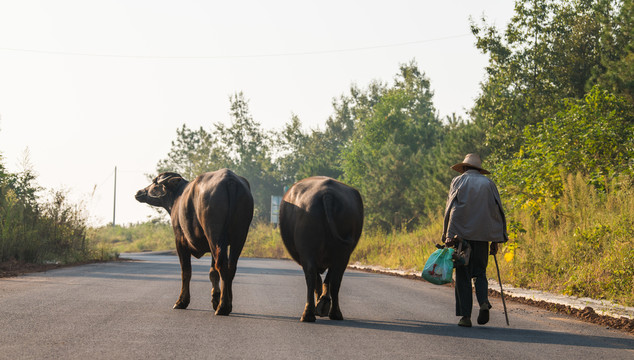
124,310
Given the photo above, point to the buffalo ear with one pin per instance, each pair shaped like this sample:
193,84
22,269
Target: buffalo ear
173,182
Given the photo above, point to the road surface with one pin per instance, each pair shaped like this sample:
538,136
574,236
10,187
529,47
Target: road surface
124,310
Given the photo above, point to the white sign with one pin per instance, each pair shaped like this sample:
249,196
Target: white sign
275,208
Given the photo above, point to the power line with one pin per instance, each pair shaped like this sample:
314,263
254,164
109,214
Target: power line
221,57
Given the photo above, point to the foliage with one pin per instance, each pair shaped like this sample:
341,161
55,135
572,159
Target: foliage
399,249
618,56
38,229
551,50
385,154
291,154
192,153
322,152
593,136
249,149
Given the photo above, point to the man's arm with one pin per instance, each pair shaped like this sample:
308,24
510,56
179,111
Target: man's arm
498,202
493,248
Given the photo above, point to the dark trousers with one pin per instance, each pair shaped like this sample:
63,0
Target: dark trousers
477,269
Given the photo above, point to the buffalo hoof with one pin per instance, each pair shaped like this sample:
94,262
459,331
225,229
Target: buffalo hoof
181,304
223,310
323,306
215,300
309,314
335,314
308,318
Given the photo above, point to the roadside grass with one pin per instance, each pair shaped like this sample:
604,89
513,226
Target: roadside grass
399,249
149,236
52,231
264,241
582,246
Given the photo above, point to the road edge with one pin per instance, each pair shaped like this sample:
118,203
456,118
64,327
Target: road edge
599,312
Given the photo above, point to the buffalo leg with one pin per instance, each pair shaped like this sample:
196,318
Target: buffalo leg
310,272
323,303
184,256
226,274
214,277
227,266
222,266
335,284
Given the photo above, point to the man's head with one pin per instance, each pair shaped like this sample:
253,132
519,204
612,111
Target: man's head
471,161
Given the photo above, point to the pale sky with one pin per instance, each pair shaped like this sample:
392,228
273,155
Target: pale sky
87,85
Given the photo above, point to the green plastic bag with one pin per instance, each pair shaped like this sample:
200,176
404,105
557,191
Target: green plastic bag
439,267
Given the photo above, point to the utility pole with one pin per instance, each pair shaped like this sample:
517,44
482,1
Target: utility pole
114,206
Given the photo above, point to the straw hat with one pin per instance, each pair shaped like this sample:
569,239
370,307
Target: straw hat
472,160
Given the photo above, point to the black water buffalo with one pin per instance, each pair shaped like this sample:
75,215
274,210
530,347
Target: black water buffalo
210,214
320,223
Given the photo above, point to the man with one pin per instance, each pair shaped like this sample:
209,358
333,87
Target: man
474,215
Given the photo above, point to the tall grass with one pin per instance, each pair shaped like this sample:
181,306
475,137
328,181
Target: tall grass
582,246
46,231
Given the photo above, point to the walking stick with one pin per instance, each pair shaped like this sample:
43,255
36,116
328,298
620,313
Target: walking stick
501,290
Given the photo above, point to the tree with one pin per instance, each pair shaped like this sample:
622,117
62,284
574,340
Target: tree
551,50
593,137
291,144
617,55
249,150
24,183
457,138
193,153
394,128
242,147
322,153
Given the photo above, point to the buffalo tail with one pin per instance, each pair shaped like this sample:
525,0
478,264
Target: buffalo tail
329,204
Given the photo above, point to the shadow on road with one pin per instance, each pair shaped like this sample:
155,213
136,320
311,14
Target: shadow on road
454,331
265,317
489,333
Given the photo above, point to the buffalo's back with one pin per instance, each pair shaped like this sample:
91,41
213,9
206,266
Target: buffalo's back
303,223
208,202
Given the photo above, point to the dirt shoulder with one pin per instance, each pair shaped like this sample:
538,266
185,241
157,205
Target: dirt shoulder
586,314
13,268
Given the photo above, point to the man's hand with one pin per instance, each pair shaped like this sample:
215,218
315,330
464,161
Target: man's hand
493,248
451,242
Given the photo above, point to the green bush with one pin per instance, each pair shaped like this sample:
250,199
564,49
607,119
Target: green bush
37,231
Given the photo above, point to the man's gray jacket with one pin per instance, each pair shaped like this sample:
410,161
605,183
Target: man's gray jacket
474,209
